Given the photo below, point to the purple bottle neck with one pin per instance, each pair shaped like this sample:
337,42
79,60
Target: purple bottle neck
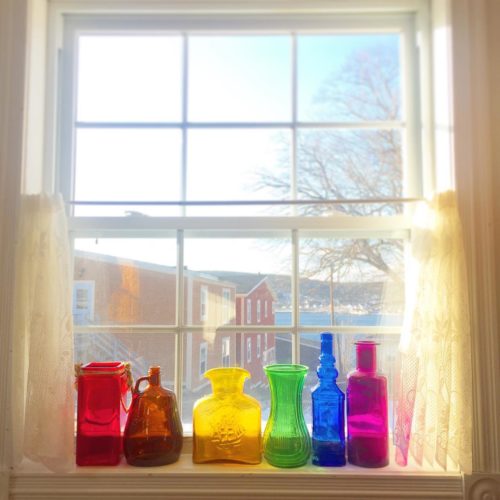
366,356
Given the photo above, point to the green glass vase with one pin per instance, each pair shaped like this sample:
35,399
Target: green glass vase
286,438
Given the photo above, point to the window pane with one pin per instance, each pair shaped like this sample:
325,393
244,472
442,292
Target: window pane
350,164
239,78
349,77
362,280
124,281
122,165
237,165
243,270
212,350
129,78
345,354
141,349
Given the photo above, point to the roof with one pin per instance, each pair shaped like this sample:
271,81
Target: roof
245,282
159,268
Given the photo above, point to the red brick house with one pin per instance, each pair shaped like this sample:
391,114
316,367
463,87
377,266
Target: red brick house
114,291
254,306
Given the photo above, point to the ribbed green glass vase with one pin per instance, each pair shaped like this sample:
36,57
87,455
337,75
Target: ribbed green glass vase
286,438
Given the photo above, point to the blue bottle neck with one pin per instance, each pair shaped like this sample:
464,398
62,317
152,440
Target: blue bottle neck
327,373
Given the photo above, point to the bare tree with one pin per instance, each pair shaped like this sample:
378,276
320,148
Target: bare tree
351,163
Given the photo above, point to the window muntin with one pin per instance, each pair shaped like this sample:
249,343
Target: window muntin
294,188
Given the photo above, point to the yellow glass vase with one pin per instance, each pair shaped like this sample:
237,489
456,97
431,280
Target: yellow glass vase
226,424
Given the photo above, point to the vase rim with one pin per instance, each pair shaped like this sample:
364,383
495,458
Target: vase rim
286,368
227,369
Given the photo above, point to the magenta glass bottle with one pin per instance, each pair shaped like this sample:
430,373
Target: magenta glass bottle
367,424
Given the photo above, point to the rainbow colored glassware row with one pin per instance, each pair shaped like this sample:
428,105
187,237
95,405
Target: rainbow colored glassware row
227,423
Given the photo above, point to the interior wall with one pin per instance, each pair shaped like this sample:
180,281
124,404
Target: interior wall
494,85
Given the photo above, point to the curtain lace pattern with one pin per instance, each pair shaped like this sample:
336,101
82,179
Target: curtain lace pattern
434,401
43,345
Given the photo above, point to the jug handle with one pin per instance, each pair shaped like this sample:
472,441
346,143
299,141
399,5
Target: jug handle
138,383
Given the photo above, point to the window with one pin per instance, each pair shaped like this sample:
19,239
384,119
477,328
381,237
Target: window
249,349
203,359
249,311
210,156
226,305
83,302
203,303
226,351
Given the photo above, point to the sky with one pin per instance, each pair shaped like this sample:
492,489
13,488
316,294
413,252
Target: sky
237,78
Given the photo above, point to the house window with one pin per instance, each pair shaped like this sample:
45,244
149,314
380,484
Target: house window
265,341
83,302
203,303
226,352
203,358
249,349
258,346
175,147
226,305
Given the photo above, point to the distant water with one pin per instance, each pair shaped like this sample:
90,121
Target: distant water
323,319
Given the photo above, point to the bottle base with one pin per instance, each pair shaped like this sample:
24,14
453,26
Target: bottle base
369,452
328,453
152,461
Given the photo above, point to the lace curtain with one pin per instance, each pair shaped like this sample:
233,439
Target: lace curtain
434,404
43,428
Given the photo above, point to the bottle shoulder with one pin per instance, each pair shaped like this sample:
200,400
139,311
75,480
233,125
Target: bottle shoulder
359,374
240,401
325,391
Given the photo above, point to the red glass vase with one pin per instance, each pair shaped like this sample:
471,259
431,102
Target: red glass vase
102,390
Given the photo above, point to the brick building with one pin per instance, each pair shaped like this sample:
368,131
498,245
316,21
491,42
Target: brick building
115,291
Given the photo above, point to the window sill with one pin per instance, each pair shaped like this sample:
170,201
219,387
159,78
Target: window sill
184,480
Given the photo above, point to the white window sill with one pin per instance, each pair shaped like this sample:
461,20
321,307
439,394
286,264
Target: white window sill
184,480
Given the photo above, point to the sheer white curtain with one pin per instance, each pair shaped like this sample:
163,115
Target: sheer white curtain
434,407
43,413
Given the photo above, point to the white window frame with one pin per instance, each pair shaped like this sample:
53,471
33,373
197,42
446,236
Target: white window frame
258,311
292,227
475,182
258,350
180,228
265,308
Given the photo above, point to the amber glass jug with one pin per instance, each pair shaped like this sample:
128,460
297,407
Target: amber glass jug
153,433
226,424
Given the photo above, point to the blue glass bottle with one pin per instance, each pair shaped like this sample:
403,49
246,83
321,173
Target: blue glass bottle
328,403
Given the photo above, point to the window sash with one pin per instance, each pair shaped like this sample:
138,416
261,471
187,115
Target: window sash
294,227
403,23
